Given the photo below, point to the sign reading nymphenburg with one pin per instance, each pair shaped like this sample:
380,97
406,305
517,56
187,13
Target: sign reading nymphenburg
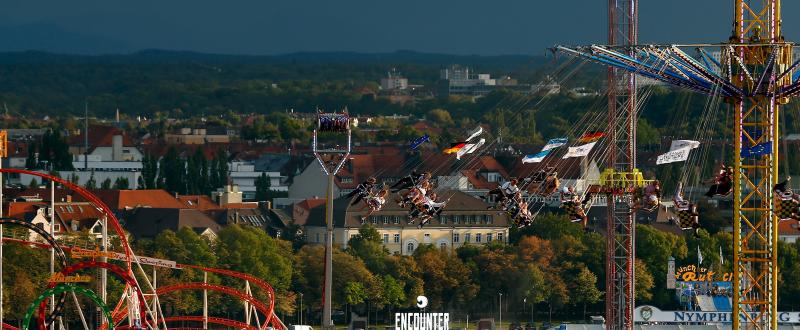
422,321
644,314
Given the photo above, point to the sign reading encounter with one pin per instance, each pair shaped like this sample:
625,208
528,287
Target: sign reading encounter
422,321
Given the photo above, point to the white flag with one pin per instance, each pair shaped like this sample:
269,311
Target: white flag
680,144
579,151
555,143
535,158
699,256
475,133
469,148
673,156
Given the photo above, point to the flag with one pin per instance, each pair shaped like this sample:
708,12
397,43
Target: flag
469,148
475,133
555,143
680,144
535,158
591,137
721,261
760,149
699,256
419,141
673,156
455,147
579,151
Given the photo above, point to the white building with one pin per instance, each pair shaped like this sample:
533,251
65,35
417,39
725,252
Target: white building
465,221
394,82
463,81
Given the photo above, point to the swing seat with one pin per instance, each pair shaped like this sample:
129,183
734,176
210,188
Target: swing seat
686,220
573,210
786,209
333,122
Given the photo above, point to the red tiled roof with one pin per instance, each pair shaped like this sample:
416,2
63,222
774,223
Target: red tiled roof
250,205
198,202
154,198
101,136
18,210
788,228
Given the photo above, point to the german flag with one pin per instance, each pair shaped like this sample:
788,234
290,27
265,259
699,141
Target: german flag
455,147
591,137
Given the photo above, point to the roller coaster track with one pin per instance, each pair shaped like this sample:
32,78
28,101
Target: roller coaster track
266,309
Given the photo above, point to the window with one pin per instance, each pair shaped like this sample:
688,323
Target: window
347,179
488,237
487,219
470,218
477,238
456,237
363,221
396,219
410,247
41,226
98,229
397,238
443,219
385,219
374,220
56,227
467,237
457,219
385,238
500,237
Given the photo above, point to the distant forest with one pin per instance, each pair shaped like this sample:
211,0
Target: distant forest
153,81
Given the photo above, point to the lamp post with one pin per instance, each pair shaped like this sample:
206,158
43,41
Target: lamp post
501,310
301,308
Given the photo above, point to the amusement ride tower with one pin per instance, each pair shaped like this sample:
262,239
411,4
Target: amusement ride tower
753,72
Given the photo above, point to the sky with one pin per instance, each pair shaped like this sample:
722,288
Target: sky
267,27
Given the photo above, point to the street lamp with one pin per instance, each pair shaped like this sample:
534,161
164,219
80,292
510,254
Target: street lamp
301,308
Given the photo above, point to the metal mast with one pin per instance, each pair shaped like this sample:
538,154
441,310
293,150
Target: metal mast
330,165
758,46
621,228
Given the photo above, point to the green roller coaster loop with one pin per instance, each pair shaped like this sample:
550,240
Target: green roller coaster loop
67,288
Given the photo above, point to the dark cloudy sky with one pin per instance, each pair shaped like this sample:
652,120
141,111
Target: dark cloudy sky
482,27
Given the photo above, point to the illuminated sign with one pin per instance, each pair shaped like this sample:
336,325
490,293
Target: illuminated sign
61,278
646,314
694,273
422,321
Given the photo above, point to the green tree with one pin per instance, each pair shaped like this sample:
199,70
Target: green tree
106,184
354,293
250,250
367,245
91,183
121,183
263,191
585,289
441,117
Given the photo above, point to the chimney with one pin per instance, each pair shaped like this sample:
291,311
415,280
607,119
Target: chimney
116,148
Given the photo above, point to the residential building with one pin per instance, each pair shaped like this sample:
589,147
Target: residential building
211,134
71,217
148,222
464,221
788,231
244,174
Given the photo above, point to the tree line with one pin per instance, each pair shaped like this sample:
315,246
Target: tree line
549,270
